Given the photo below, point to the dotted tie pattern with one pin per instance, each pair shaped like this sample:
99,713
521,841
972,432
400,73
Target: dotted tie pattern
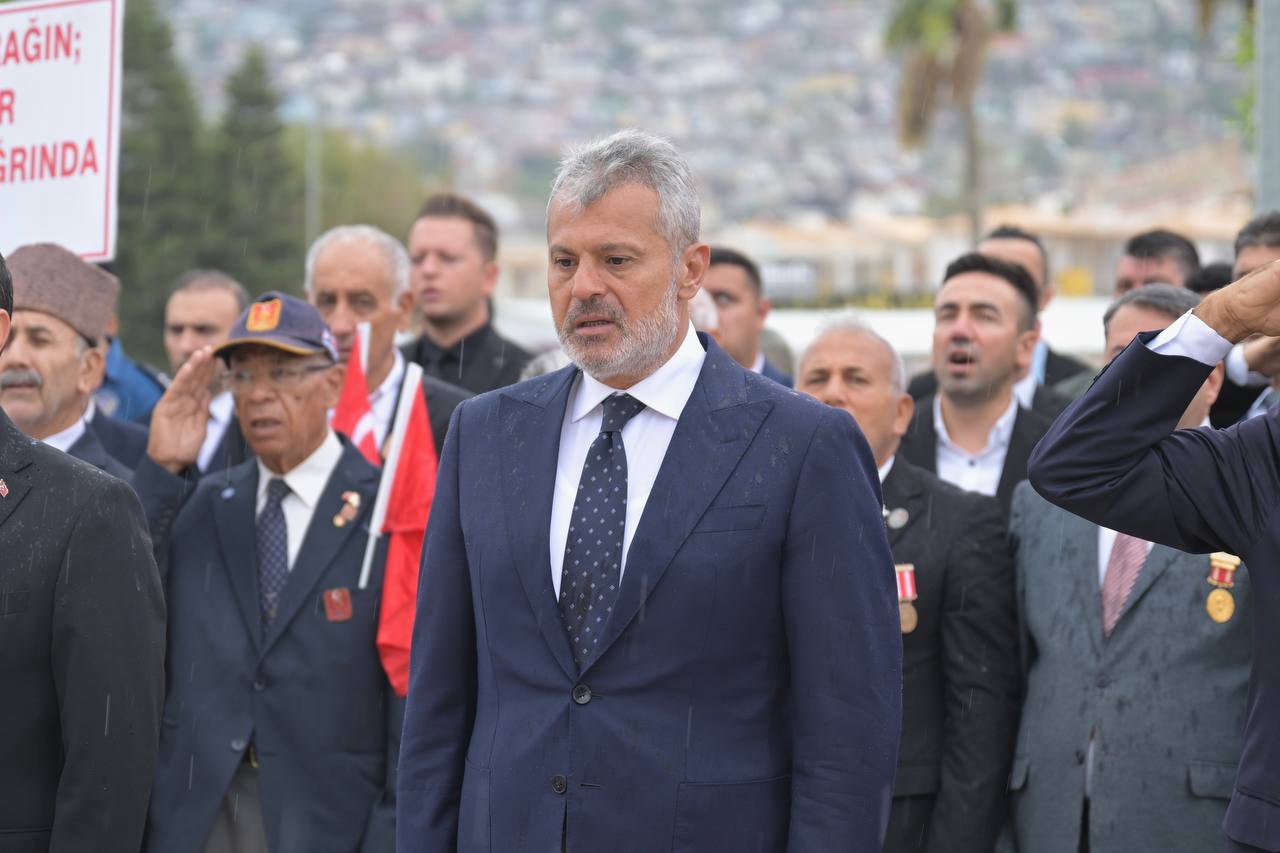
273,551
593,553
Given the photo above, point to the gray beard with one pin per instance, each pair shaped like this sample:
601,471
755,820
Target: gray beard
644,346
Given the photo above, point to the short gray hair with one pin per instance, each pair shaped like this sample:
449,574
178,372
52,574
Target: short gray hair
588,172
393,252
1165,299
853,325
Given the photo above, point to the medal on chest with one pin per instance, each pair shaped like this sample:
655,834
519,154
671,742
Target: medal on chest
1220,604
906,573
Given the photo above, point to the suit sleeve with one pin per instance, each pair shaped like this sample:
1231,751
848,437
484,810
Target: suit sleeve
107,656
441,702
844,644
1115,458
980,671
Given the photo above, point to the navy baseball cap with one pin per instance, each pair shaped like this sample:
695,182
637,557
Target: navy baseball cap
282,322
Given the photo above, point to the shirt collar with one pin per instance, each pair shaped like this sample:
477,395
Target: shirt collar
390,385
221,407
664,391
69,436
307,479
885,469
1001,430
757,366
90,410
1039,360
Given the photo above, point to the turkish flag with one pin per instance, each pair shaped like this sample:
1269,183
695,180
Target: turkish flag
405,524
353,416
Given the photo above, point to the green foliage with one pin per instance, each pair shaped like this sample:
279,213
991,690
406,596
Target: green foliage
161,217
255,189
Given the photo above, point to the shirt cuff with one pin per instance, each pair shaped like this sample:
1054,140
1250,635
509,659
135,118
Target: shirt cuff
1238,370
1191,337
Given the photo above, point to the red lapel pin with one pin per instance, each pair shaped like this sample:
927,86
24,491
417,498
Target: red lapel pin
4,489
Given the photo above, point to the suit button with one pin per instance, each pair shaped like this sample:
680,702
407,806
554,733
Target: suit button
239,744
1079,756
260,683
1103,682
559,784
582,694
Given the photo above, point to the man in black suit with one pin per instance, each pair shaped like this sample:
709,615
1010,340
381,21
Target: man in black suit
1116,458
359,274
1035,389
281,728
959,627
81,649
53,364
453,246
973,433
734,282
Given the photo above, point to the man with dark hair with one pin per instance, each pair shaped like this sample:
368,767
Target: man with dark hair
1156,256
453,249
733,280
1252,365
1033,390
82,657
1209,278
973,433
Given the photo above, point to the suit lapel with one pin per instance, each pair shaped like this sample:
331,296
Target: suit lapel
234,519
920,444
714,430
903,491
15,456
1088,592
1159,558
324,539
1014,470
530,422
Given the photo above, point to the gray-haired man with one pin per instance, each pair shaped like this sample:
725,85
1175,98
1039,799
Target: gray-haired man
658,612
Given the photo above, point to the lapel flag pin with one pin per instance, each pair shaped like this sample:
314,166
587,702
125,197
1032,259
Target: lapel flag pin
350,509
228,493
337,604
898,518
4,489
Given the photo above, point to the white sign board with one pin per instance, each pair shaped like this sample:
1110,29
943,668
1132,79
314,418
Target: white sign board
60,124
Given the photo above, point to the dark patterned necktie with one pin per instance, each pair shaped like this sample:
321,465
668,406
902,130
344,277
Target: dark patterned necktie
273,551
593,553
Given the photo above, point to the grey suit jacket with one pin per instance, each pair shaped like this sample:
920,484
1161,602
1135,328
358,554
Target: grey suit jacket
1164,696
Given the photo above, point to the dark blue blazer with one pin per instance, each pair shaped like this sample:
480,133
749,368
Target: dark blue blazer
311,695
1114,458
87,448
772,372
126,441
747,693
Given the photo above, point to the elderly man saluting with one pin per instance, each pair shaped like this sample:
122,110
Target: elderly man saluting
276,718
657,607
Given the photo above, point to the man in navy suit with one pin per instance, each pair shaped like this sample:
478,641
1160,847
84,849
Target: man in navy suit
279,730
657,608
1115,458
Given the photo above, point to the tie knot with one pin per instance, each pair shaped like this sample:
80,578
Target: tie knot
618,409
277,490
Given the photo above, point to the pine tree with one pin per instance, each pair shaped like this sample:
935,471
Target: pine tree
161,213
256,233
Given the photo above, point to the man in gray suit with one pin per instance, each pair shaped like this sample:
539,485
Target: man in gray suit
1137,678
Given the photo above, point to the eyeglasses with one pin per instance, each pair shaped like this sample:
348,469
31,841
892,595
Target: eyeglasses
283,377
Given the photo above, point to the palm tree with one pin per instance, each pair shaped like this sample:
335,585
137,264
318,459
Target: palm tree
944,44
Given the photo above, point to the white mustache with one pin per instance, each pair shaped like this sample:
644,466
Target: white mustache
17,376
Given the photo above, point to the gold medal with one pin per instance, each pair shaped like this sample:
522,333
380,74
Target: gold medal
1221,605
910,618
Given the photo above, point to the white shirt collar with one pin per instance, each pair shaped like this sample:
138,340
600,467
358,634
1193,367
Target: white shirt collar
390,385
1001,430
757,366
665,391
69,436
307,479
221,407
885,469
90,410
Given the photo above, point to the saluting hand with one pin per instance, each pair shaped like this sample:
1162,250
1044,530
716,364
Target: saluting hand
179,421
1248,306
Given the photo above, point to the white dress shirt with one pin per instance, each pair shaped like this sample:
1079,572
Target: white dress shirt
306,482
221,410
886,468
645,438
1024,390
977,472
69,436
383,399
757,366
